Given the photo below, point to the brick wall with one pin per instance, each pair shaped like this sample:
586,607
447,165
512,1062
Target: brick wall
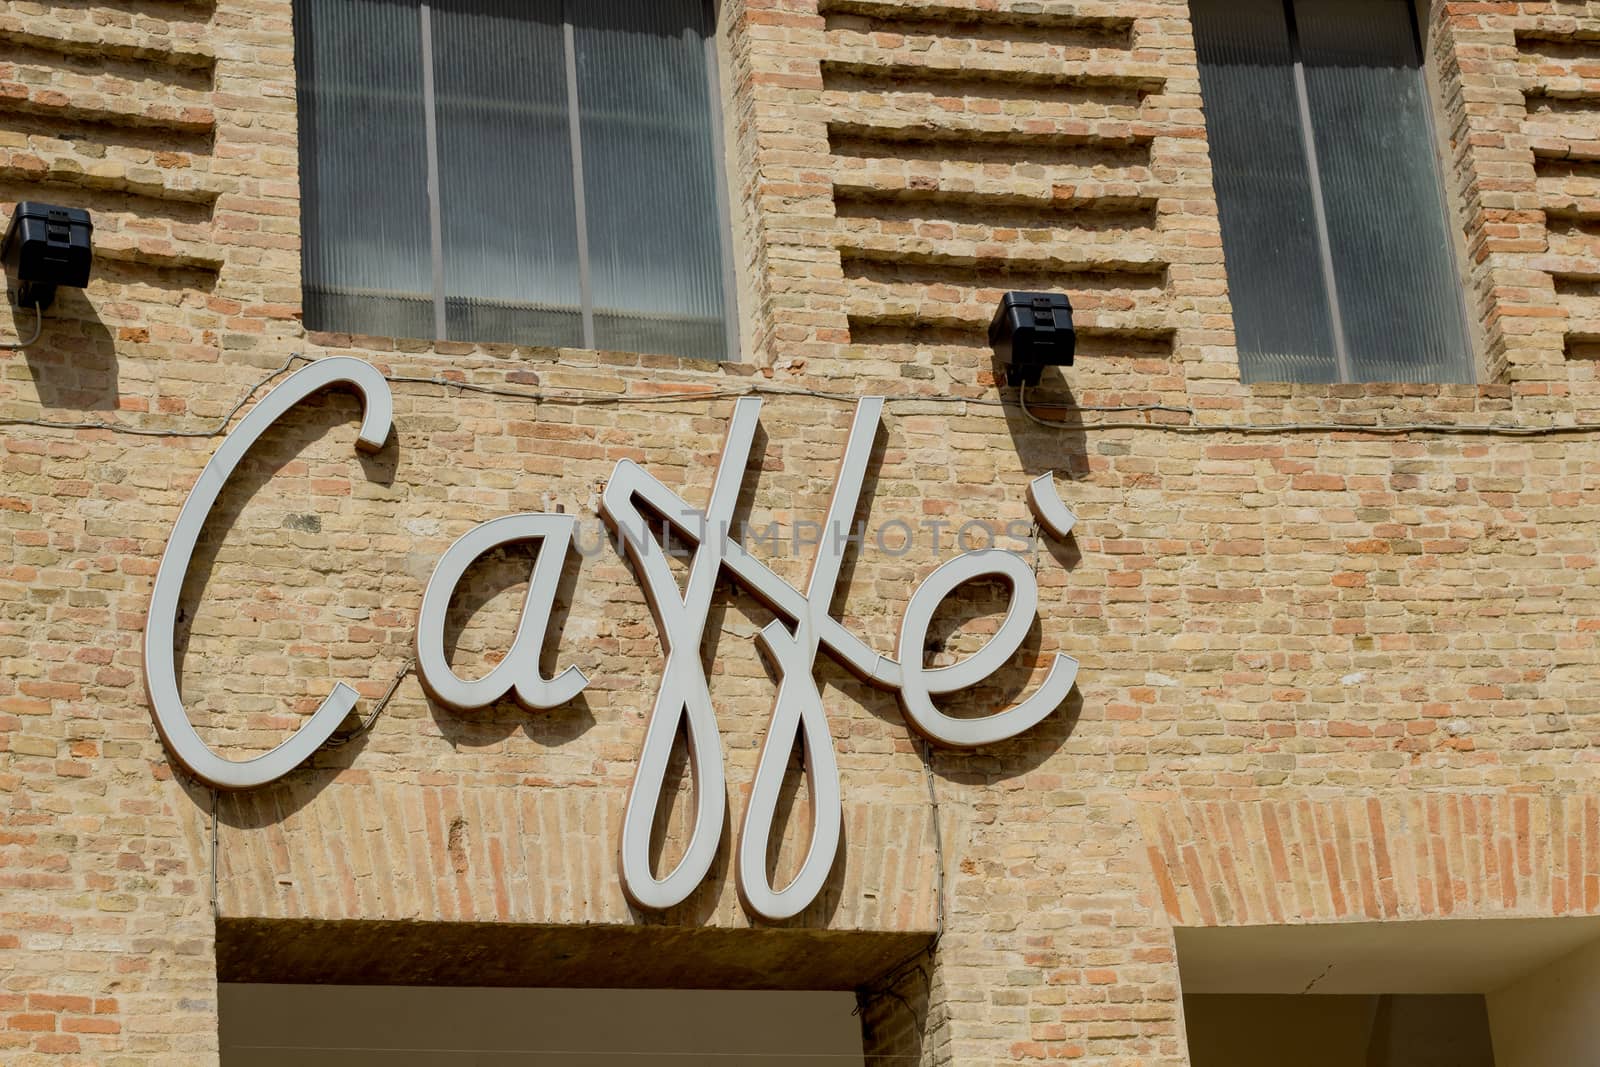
1325,675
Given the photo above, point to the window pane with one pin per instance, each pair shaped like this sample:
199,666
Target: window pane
507,219
505,173
654,221
1399,291
1280,307
363,167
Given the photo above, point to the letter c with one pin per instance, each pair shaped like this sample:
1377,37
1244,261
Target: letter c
160,674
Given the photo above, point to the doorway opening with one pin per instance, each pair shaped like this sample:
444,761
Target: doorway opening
271,1025
1443,993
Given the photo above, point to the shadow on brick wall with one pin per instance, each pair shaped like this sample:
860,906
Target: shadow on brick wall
894,1016
74,362
1063,449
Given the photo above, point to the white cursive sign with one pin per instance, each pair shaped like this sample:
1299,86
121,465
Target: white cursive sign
632,498
160,674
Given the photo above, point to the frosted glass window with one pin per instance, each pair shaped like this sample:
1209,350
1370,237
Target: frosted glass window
1340,259
540,172
363,168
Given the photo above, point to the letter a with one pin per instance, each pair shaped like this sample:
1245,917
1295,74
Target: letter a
519,672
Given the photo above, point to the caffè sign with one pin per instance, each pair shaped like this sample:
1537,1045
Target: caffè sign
631,500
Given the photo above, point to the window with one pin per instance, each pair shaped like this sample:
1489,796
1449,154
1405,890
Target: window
1441,992
1340,258
526,171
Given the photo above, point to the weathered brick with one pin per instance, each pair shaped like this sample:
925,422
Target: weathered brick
1325,676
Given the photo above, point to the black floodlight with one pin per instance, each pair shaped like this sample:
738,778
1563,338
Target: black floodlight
1032,331
46,246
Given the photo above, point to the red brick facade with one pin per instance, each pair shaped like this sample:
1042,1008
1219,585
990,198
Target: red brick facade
1326,675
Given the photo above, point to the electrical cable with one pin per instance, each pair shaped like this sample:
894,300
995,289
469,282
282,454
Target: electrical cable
1396,429
377,709
596,397
216,906
884,985
216,431
938,846
38,328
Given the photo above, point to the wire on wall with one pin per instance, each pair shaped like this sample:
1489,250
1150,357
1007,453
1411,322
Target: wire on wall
938,846
912,964
597,397
215,431
216,907
38,328
377,709
1395,429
